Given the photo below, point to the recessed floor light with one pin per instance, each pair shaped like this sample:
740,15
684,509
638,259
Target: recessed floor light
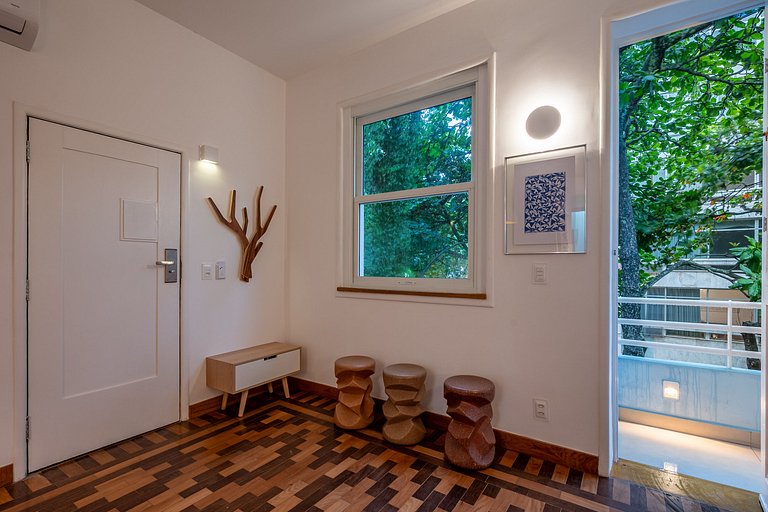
670,389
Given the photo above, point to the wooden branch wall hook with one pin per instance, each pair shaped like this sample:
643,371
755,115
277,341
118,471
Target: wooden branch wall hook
249,247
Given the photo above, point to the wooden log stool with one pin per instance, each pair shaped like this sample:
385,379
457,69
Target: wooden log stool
404,385
354,409
470,442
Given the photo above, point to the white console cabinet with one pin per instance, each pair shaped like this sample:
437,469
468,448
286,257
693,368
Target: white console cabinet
241,370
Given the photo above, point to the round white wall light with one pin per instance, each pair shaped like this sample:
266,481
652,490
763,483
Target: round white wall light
543,122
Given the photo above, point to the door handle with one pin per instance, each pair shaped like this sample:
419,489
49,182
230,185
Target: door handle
170,257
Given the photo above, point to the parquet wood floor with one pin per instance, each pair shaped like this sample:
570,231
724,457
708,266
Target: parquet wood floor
287,456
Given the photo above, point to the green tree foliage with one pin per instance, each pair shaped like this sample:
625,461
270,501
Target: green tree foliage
750,264
424,237
690,124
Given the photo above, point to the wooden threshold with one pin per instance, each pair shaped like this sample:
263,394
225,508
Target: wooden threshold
731,498
546,451
413,293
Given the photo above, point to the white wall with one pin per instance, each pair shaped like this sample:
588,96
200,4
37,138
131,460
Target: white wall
117,64
536,341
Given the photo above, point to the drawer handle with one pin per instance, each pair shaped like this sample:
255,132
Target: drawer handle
270,357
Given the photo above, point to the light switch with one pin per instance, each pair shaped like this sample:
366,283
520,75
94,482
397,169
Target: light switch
207,271
539,273
221,270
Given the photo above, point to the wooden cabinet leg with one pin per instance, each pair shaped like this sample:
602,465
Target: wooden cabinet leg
285,387
243,399
224,401
269,387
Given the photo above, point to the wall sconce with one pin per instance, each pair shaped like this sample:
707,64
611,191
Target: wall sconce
670,467
209,154
670,389
543,122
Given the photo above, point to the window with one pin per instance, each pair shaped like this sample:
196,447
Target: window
413,188
732,233
726,235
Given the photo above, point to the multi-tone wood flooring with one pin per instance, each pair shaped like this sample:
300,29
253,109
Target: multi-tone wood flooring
286,455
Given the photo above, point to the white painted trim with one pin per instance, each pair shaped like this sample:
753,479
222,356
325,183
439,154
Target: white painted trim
387,92
20,114
619,30
608,358
19,288
764,289
187,156
480,72
675,16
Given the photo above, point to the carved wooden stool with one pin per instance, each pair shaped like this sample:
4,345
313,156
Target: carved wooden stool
354,409
469,442
404,385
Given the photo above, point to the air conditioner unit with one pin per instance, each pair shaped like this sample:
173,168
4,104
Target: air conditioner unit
18,22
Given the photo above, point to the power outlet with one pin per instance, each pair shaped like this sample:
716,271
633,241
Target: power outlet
540,409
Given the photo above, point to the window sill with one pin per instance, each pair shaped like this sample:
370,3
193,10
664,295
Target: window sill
413,293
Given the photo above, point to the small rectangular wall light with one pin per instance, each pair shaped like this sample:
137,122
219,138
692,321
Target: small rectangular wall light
670,467
209,154
670,389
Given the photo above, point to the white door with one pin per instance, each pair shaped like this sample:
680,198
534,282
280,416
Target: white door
103,333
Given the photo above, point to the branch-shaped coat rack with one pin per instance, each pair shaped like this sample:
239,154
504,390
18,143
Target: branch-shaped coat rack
250,248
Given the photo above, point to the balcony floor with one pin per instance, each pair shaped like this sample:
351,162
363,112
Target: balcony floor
717,461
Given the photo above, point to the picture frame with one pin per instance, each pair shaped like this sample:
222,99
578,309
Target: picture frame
545,202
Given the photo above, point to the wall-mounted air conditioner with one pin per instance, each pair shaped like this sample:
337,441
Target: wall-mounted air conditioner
18,22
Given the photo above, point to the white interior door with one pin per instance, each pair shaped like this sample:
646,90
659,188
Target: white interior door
103,333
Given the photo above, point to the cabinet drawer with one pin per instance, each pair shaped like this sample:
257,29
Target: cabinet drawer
260,371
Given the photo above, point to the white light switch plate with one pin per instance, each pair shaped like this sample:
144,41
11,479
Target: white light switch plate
221,270
206,271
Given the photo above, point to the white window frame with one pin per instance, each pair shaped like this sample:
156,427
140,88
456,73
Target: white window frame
472,82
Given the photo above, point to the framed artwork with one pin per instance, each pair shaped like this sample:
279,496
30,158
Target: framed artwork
545,202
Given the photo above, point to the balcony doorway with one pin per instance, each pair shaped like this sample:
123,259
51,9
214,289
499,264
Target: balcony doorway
689,248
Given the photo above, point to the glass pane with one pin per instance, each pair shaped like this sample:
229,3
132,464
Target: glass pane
424,148
425,237
723,241
747,363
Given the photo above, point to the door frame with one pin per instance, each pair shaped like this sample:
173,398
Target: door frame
619,29
21,113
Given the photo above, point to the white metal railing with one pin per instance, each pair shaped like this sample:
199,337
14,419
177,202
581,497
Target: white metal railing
727,328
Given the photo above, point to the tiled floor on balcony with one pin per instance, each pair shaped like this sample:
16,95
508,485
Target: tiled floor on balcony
726,463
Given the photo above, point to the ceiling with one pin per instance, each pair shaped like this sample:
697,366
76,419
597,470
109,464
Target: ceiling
291,37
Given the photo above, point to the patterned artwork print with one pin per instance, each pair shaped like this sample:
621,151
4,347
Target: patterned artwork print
544,210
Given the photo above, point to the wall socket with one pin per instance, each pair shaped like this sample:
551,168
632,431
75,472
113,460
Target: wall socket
540,409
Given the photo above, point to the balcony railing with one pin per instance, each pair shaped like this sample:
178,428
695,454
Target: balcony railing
708,337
